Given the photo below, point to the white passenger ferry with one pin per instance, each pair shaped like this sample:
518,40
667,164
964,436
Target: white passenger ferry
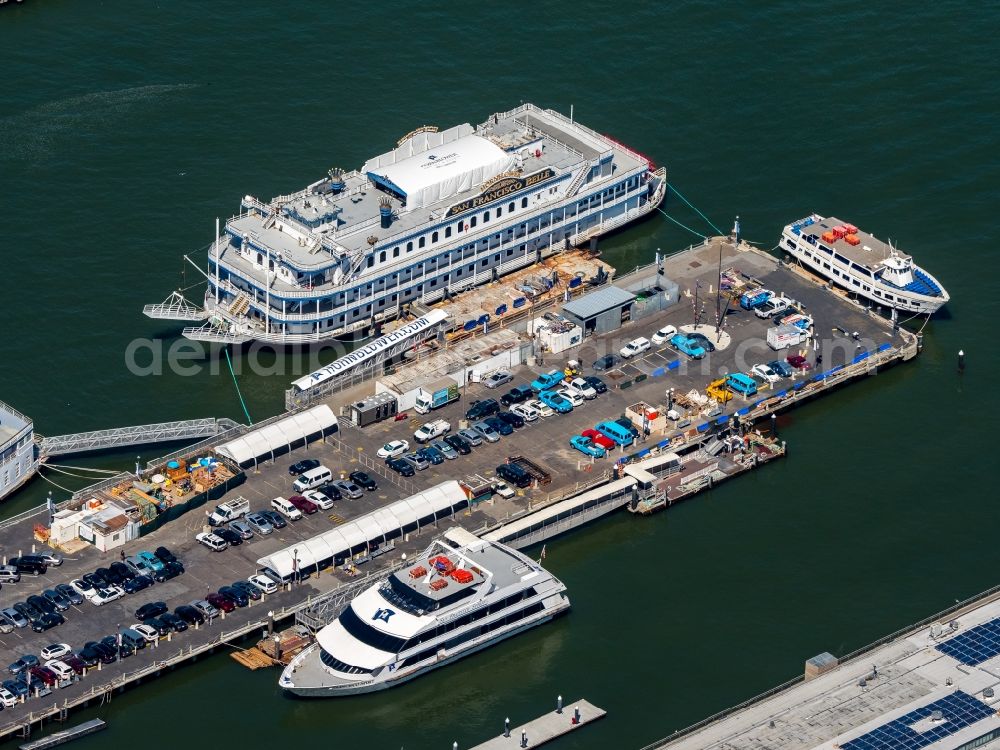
441,212
862,264
460,596
18,452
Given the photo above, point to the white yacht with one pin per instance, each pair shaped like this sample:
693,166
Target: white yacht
441,212
18,452
461,595
862,264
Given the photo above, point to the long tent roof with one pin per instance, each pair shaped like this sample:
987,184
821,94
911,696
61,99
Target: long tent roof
373,527
442,171
263,441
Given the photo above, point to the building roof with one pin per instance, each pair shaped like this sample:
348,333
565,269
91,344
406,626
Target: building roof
441,171
265,440
597,302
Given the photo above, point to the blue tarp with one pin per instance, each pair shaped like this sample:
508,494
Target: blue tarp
797,386
659,371
883,347
704,426
723,419
674,365
781,394
860,357
744,410
640,454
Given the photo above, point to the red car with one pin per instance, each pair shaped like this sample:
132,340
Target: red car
599,439
75,663
798,362
45,674
303,504
221,602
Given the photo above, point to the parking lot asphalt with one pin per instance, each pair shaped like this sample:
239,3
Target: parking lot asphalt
544,441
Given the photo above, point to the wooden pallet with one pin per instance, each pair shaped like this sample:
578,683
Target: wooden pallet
253,658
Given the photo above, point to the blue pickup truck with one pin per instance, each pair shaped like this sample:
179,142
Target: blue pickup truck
687,346
547,380
755,298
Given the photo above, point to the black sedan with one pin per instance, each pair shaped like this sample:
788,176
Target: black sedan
164,554
596,383
274,518
302,467
363,480
70,593
60,602
249,589
110,644
238,595
168,571
158,624
47,622
178,624
137,584
607,362
41,604
228,535
459,443
514,420
401,467
152,609
122,571
190,615
96,579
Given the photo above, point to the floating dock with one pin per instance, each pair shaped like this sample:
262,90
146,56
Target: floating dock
547,727
58,738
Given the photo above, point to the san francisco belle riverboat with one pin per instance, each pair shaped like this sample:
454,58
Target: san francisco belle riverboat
443,211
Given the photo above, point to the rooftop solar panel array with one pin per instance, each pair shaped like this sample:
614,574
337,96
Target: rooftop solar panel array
975,645
959,710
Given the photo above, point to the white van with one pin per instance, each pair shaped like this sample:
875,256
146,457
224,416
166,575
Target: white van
286,509
312,479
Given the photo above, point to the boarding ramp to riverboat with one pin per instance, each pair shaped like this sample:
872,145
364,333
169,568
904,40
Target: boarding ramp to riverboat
121,437
175,307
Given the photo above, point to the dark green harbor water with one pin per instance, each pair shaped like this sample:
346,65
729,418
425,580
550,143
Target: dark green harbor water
126,127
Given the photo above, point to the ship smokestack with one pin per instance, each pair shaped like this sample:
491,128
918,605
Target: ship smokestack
336,180
385,212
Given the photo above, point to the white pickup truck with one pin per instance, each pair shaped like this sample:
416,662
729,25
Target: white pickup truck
229,511
774,306
432,430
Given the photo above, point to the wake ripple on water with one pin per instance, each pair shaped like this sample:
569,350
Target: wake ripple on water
37,134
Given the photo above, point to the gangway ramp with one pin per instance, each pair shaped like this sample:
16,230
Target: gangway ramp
120,437
175,307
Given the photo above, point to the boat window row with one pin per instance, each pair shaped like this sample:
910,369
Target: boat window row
340,666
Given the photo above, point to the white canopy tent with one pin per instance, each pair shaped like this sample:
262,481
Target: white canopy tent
382,524
441,171
265,441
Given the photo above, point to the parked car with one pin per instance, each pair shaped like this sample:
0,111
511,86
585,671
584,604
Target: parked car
527,412
587,446
362,479
207,609
103,596
581,387
259,523
544,410
444,449
6,624
350,489
122,571
572,396
635,347
9,574
51,559
393,448
516,395
503,489
688,346
18,619
276,520
781,368
170,570
137,584
265,584
175,622
135,563
416,461
249,589
28,610
237,595
320,500
556,402
703,341
798,362
497,379
17,688
23,664
148,632
242,528
401,467
459,444
159,625
227,535
106,648
95,580
330,492
663,335
485,429
627,424
54,651
501,426
220,602
301,467
150,609
482,409
305,505
430,455
514,474
596,383
47,621
472,437
164,554
44,674
607,362
26,564
116,647
764,372
599,439
190,615
516,421
212,541
41,604
60,602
